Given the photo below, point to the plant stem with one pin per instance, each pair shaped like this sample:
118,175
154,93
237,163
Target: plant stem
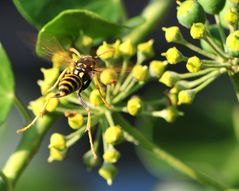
169,159
22,109
26,149
199,50
221,30
152,14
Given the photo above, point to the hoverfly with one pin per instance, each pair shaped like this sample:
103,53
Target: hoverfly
76,77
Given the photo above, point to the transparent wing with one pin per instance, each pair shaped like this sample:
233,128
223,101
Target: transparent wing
51,49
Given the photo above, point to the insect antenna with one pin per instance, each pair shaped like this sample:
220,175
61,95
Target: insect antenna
76,52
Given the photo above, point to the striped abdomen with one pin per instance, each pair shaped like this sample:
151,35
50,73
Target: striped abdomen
69,84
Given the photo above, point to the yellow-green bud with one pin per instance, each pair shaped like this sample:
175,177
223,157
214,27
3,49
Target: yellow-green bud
127,49
212,6
169,114
231,16
232,44
108,76
140,72
113,135
89,161
50,75
53,103
36,105
57,141
156,68
173,34
84,42
198,31
189,12
76,121
105,51
108,171
169,78
186,96
95,98
173,55
56,155
111,156
146,49
134,105
194,64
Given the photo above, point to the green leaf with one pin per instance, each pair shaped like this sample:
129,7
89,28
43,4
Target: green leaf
67,26
6,85
40,12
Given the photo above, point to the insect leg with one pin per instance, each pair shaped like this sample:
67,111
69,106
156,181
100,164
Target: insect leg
97,83
41,113
58,80
82,102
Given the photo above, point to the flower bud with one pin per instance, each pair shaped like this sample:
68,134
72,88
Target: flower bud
89,161
145,50
170,114
198,31
189,12
76,121
194,64
111,155
108,171
57,141
105,51
212,6
84,43
36,105
127,49
231,16
134,105
50,75
232,44
140,72
56,155
169,78
173,34
186,96
173,55
95,98
53,102
156,68
108,76
113,135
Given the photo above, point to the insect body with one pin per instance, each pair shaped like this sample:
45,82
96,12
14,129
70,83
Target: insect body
77,79
72,79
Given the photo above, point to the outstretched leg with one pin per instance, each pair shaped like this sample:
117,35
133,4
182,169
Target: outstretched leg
41,113
97,83
82,102
57,81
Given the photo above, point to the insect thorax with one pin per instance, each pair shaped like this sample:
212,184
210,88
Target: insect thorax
85,64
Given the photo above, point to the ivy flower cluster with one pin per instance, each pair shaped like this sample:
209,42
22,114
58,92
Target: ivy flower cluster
120,80
218,51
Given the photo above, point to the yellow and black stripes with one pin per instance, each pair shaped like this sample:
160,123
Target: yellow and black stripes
69,83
